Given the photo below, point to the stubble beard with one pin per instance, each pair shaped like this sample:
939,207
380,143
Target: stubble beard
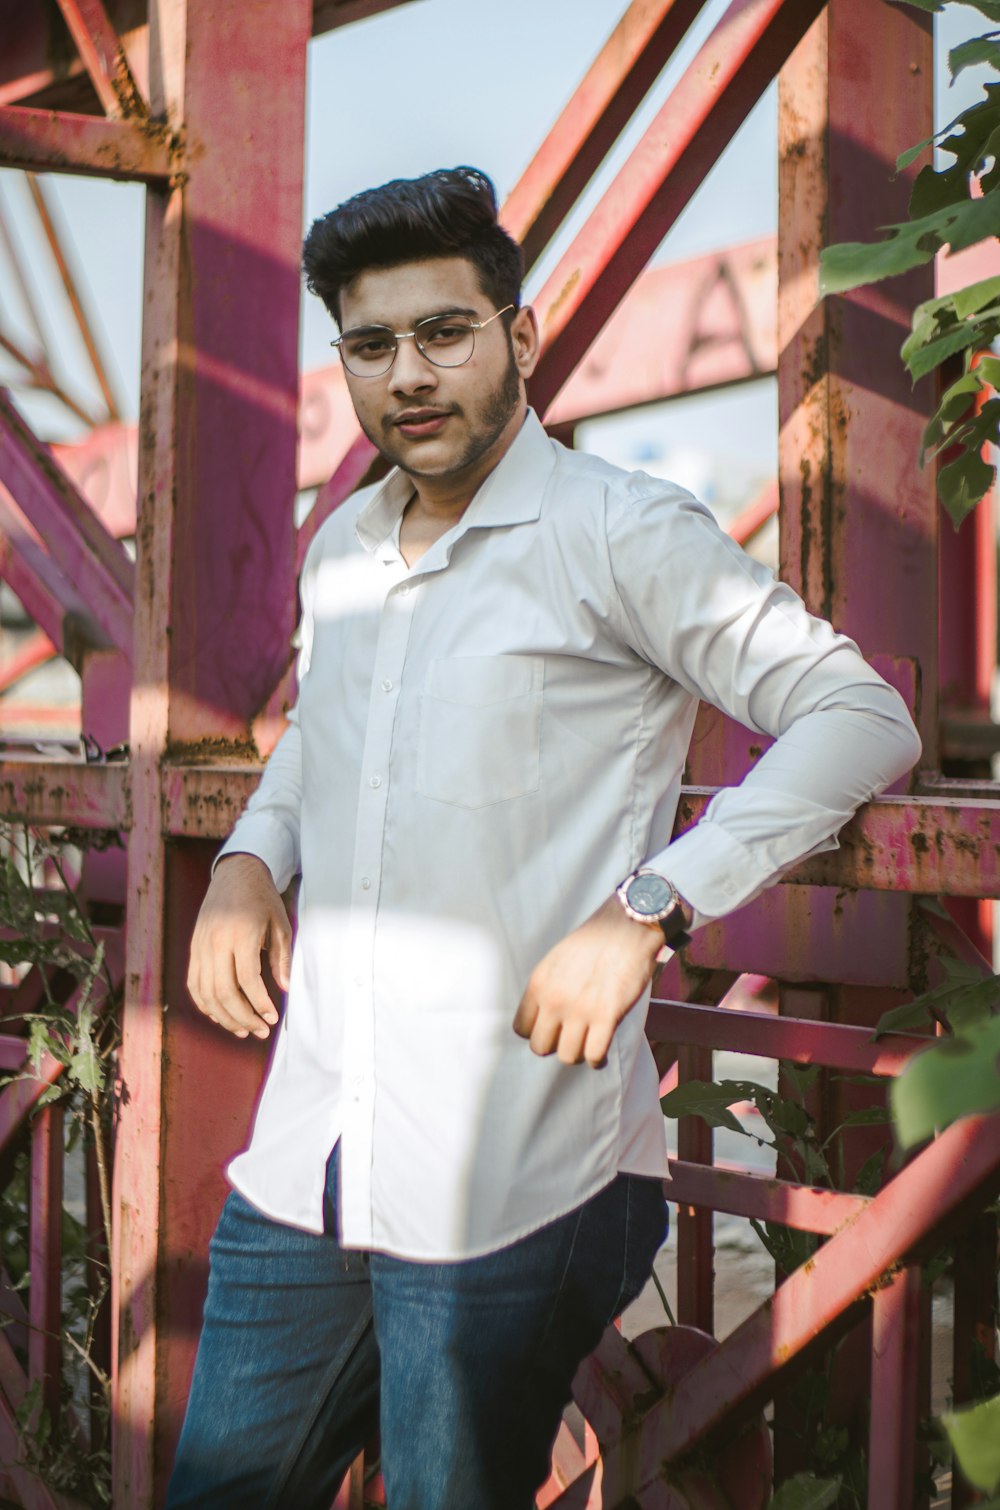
498,410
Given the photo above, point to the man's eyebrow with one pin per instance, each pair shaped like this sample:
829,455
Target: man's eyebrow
435,314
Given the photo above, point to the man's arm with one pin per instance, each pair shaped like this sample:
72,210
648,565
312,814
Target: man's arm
720,625
243,915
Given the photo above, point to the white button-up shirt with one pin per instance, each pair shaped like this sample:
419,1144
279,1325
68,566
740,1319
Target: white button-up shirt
484,745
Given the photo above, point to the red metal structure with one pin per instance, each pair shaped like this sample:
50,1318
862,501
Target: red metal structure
184,656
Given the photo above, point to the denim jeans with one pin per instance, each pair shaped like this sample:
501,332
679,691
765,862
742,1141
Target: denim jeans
307,1349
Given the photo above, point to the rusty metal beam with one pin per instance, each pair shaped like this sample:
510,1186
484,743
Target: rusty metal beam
44,791
213,629
926,1199
103,57
78,544
837,1046
807,1208
689,134
49,141
44,591
45,214
602,104
933,846
328,14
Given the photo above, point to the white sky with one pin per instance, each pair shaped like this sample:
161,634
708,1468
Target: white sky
510,69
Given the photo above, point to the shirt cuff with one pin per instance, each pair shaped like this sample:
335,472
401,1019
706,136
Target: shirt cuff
711,870
266,837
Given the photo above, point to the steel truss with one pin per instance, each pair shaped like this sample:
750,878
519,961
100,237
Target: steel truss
184,656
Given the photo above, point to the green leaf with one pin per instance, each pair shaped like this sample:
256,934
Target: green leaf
975,1436
956,1077
869,1177
700,1098
805,1492
963,483
965,996
908,244
976,50
38,1043
868,1116
802,1077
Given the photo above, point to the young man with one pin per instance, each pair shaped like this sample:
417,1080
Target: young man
455,1177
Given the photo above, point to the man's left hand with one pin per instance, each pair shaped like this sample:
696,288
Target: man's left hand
581,990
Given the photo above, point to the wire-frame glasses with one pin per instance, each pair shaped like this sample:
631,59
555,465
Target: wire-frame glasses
446,340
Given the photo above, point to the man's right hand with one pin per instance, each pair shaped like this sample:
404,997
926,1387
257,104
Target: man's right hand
241,917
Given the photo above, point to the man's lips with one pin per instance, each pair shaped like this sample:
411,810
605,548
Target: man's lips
417,423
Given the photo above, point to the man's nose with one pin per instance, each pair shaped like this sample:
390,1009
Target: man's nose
411,371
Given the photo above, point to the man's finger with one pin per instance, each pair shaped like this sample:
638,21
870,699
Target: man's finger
599,1036
545,1034
279,953
571,1041
231,1004
524,1018
251,983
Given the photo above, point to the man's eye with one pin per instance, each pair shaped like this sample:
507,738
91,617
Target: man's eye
445,335
368,347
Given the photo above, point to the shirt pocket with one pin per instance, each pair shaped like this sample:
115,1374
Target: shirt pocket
480,729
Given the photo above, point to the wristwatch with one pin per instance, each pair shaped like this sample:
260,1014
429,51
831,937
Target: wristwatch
651,898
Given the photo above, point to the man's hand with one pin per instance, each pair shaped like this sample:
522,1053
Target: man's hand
242,916
581,990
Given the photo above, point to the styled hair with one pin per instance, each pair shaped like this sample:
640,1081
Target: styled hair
449,213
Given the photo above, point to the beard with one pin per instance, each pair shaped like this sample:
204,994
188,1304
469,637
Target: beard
483,430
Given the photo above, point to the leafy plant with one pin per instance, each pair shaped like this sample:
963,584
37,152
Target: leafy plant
70,1039
957,205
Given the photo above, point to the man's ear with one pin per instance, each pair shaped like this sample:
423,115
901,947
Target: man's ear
525,340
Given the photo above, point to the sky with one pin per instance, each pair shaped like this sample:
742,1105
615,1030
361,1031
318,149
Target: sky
511,69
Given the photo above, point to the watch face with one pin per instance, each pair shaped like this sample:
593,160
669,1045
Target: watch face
649,895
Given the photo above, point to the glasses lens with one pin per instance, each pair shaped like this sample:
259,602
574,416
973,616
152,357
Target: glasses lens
446,340
367,353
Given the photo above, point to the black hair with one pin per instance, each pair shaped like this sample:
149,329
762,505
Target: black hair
449,213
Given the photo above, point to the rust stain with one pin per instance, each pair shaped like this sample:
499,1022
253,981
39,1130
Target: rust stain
563,296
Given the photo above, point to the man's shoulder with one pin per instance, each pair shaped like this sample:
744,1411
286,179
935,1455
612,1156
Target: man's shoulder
338,530
582,480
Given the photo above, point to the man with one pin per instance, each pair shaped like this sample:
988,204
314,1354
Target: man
455,1177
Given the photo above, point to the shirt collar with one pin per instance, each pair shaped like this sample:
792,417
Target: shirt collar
511,494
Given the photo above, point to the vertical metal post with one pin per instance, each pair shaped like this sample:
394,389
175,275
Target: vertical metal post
858,519
896,1346
45,1244
695,1245
213,618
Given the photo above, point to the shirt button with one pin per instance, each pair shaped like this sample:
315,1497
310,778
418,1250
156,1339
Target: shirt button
386,684
404,592
366,884
374,782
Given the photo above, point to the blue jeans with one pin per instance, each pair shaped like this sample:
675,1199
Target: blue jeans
309,1348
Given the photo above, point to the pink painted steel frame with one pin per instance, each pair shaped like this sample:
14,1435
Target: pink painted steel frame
194,714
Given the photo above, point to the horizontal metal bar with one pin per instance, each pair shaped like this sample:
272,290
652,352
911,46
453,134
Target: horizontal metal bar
204,801
834,1045
934,846
50,141
37,790
807,1208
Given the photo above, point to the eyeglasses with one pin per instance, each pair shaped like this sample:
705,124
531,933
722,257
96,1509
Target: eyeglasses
445,340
